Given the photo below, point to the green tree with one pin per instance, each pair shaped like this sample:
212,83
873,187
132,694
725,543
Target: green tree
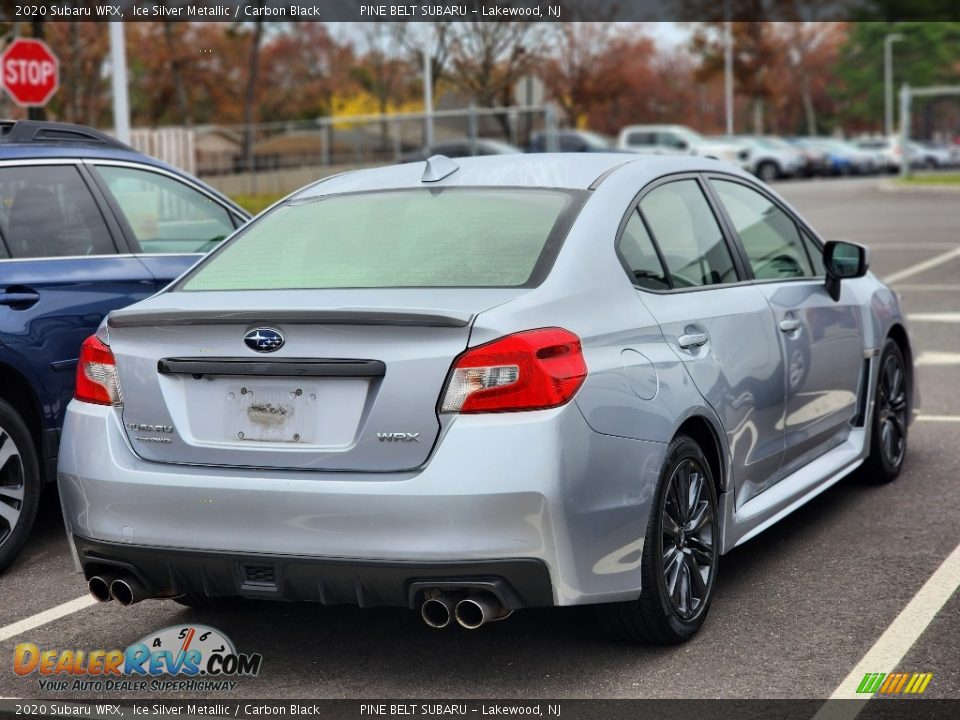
929,54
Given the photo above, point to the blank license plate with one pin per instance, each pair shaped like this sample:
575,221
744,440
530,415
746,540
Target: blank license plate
272,413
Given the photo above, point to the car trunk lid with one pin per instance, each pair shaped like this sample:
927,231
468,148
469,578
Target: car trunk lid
353,387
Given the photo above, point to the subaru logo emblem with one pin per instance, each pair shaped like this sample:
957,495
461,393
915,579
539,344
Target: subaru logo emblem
264,340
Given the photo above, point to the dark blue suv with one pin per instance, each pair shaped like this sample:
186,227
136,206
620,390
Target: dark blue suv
87,225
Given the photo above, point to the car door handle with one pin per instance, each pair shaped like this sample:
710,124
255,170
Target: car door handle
692,340
789,325
18,298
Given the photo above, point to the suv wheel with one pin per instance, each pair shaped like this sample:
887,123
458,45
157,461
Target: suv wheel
768,171
19,484
678,567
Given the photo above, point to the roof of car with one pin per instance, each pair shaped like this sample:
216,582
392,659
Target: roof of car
27,140
576,171
50,150
42,139
653,126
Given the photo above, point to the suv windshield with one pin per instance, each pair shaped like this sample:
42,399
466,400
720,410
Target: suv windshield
452,237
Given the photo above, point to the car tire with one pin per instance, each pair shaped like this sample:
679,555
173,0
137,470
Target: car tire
888,426
659,616
768,171
20,484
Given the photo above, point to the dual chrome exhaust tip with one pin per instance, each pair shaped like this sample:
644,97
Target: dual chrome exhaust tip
125,589
469,611
439,610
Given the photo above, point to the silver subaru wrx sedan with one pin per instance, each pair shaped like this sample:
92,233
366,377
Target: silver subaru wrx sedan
478,386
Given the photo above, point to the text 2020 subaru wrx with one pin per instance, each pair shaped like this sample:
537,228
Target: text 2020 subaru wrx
468,389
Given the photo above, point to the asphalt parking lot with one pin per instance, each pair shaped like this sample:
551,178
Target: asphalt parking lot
795,610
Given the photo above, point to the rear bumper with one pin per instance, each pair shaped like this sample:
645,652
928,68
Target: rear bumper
167,572
513,488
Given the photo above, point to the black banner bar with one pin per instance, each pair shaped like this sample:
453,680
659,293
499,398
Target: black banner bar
476,10
398,709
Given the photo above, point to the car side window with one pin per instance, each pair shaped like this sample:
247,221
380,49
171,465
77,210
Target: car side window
166,215
641,138
769,236
669,139
48,211
637,250
688,234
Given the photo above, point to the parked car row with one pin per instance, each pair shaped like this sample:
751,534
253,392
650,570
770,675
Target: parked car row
768,157
921,154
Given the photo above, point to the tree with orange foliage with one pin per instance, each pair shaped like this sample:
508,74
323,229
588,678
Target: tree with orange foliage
83,96
756,56
582,72
304,70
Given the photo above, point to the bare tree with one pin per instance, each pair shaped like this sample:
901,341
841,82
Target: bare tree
806,43
250,92
413,41
487,58
176,72
383,70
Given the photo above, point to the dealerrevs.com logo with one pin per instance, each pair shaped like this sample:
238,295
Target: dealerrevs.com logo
203,655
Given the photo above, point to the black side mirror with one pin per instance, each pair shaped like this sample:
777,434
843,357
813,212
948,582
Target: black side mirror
843,261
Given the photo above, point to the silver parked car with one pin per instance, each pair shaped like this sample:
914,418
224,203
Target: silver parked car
478,386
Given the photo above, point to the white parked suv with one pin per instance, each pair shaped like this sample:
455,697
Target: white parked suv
769,158
679,140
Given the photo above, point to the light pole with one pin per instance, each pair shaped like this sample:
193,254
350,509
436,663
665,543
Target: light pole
888,42
118,59
428,86
728,73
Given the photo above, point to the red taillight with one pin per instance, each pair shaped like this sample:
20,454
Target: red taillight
97,374
531,370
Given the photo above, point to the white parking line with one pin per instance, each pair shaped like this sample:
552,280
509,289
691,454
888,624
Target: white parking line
935,317
938,418
898,638
938,358
922,266
47,616
928,288
912,246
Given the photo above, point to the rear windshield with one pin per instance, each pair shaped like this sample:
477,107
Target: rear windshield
453,237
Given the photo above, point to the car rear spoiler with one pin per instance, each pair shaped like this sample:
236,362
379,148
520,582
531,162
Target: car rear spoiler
340,316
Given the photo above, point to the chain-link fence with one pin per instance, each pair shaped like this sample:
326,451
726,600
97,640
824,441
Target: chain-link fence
278,157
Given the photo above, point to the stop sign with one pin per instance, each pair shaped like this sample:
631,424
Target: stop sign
30,72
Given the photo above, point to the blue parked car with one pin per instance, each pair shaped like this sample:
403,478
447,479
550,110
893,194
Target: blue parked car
87,225
843,158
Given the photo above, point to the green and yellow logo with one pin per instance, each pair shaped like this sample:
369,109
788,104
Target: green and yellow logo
895,683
